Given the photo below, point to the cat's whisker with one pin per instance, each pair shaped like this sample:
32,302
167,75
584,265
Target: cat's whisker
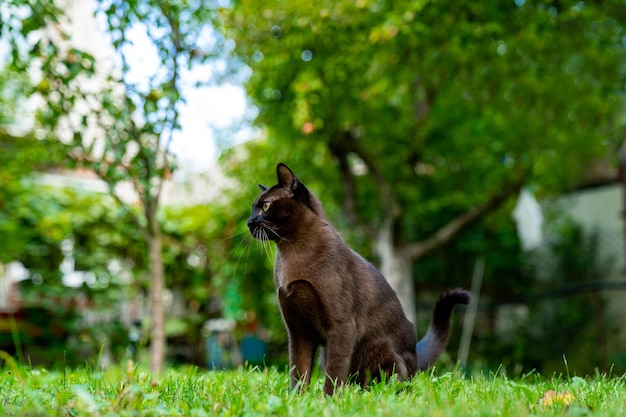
243,247
245,240
260,233
267,246
275,232
243,233
245,269
262,237
239,239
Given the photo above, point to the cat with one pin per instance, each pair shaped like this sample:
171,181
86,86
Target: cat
332,297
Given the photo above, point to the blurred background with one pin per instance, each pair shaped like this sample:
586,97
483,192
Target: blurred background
476,145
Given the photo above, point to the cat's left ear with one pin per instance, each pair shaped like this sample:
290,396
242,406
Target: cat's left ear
263,187
286,178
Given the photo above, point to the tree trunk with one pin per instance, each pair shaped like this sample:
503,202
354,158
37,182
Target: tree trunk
396,266
157,287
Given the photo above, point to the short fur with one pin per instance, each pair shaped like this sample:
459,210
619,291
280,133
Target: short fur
330,296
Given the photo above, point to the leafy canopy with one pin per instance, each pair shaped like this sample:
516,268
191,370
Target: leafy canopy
447,104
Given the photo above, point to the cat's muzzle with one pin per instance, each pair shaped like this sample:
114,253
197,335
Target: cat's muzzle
261,231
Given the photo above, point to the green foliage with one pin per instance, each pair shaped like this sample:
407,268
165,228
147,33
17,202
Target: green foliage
447,104
12,86
35,220
20,154
571,271
87,392
203,256
536,308
120,127
117,126
51,318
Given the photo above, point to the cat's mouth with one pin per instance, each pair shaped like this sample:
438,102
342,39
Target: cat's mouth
264,233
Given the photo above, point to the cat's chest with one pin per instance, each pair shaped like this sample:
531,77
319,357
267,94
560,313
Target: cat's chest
313,289
284,273
287,271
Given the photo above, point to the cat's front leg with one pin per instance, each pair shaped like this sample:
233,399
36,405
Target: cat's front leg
301,356
339,347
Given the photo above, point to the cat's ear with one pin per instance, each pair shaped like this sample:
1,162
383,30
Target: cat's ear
286,178
263,187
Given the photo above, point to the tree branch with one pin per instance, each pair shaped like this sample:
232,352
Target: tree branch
385,188
340,147
446,233
349,187
173,84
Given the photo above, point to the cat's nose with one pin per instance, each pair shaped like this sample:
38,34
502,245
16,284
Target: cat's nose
251,223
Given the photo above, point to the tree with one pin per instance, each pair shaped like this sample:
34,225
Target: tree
432,116
119,127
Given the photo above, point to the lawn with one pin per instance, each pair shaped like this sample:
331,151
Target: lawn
127,391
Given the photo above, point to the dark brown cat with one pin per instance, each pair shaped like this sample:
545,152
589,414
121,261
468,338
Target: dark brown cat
332,297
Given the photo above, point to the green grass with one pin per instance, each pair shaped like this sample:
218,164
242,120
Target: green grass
193,392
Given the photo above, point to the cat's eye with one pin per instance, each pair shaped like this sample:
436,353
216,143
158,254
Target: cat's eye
266,205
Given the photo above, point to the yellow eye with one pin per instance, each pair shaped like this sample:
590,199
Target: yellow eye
266,205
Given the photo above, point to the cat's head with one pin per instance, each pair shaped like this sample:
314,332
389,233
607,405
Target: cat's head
280,210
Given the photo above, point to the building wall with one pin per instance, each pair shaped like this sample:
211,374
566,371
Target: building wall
602,209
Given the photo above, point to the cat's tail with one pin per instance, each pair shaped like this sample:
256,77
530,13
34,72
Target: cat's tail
435,340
